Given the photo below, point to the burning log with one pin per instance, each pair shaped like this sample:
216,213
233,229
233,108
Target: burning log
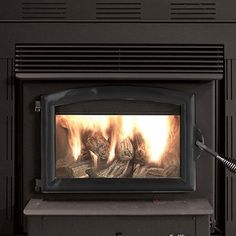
92,173
98,145
75,169
140,171
67,168
121,167
155,172
171,171
79,169
171,165
124,150
118,169
62,168
140,153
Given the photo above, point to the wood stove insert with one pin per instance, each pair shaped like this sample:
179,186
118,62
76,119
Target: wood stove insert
117,92
37,43
117,138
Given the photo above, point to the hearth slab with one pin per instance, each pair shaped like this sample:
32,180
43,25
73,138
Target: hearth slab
37,207
127,218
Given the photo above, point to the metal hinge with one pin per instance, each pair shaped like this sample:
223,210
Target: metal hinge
38,185
37,107
213,226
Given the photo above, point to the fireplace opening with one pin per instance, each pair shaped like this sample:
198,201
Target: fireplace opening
117,146
117,138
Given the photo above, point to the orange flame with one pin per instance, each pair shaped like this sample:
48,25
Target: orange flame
156,130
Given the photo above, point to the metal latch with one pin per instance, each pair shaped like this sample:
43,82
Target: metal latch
37,107
38,185
200,146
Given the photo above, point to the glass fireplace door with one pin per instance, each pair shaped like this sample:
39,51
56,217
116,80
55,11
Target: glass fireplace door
117,138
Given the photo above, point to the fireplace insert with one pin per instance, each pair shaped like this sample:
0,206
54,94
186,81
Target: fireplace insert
101,100
117,138
115,121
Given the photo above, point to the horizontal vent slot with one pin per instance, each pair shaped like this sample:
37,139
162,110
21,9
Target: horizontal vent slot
118,10
193,10
44,10
119,58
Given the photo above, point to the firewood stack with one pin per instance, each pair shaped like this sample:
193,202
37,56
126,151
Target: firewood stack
130,160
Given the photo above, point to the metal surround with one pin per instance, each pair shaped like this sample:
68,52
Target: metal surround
48,104
88,10
193,10
43,10
118,10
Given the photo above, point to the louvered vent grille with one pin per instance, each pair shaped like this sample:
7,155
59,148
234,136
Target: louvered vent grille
44,10
192,10
118,10
119,58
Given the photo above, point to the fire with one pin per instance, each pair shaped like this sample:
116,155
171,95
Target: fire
156,130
